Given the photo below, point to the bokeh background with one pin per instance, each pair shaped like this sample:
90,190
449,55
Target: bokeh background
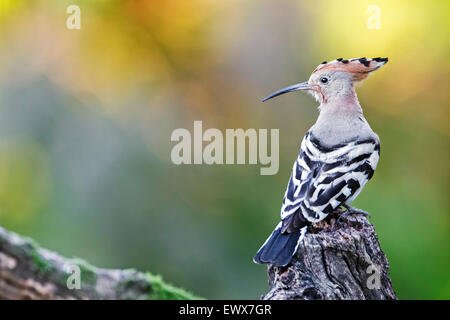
86,118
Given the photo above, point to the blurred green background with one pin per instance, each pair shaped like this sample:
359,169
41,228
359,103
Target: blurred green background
86,117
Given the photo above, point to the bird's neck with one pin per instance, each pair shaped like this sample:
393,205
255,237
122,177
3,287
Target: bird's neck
344,103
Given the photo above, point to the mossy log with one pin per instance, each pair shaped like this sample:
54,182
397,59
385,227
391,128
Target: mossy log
30,272
337,260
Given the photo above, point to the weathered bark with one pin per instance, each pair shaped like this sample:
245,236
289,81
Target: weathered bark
335,261
30,272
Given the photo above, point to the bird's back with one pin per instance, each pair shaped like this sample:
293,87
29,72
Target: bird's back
333,165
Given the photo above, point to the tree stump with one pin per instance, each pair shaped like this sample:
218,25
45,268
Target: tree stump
336,261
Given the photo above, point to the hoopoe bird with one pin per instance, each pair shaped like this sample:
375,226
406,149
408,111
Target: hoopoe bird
337,157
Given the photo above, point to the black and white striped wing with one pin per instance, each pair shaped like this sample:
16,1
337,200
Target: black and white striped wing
324,178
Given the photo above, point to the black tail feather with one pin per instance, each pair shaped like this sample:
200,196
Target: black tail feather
279,248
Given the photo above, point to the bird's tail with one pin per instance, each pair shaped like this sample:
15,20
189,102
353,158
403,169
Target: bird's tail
280,248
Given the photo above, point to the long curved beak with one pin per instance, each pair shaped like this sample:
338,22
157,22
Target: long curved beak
295,87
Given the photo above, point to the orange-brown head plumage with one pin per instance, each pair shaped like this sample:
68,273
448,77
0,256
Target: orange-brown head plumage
359,68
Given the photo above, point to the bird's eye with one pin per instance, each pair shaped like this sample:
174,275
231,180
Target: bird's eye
324,80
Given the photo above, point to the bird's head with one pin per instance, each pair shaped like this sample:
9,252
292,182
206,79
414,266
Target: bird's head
335,79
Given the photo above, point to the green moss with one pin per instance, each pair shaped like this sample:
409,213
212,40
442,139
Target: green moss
146,286
88,272
42,265
159,290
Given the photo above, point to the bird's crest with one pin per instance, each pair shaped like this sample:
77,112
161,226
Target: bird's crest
359,68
